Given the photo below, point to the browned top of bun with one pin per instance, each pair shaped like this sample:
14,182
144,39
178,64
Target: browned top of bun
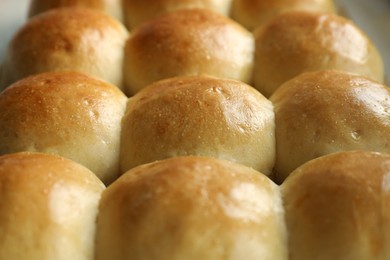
191,206
338,207
31,99
199,115
42,170
70,24
296,42
253,13
138,12
48,206
188,42
317,113
64,113
75,39
324,98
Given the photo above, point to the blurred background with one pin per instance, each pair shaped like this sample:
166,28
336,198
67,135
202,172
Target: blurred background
373,16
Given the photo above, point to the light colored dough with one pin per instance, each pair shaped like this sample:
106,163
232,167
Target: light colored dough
48,208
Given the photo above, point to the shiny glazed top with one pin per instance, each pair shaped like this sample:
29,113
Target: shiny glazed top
191,208
318,113
199,116
296,42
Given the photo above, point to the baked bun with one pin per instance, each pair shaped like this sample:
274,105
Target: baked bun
296,42
64,113
137,12
187,42
48,208
75,39
191,208
338,207
111,7
199,115
252,13
322,112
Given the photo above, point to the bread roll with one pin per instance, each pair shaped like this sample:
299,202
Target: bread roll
252,13
187,42
191,208
111,7
199,115
48,208
64,113
75,39
137,12
296,42
338,207
318,113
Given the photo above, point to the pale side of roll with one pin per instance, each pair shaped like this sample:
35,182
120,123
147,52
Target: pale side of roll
322,112
296,42
64,113
191,208
76,39
137,12
199,115
111,7
253,13
48,208
187,42
338,207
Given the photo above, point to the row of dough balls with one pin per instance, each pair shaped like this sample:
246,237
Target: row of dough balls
132,13
211,209
93,123
189,42
195,208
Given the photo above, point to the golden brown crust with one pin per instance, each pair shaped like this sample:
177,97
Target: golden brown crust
75,39
187,42
338,207
194,207
199,116
296,42
318,113
137,12
253,13
48,206
64,113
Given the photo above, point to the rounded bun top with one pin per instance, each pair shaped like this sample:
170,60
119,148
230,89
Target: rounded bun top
111,7
211,209
296,42
30,166
48,201
199,115
187,42
74,39
338,207
137,12
253,13
317,113
64,113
